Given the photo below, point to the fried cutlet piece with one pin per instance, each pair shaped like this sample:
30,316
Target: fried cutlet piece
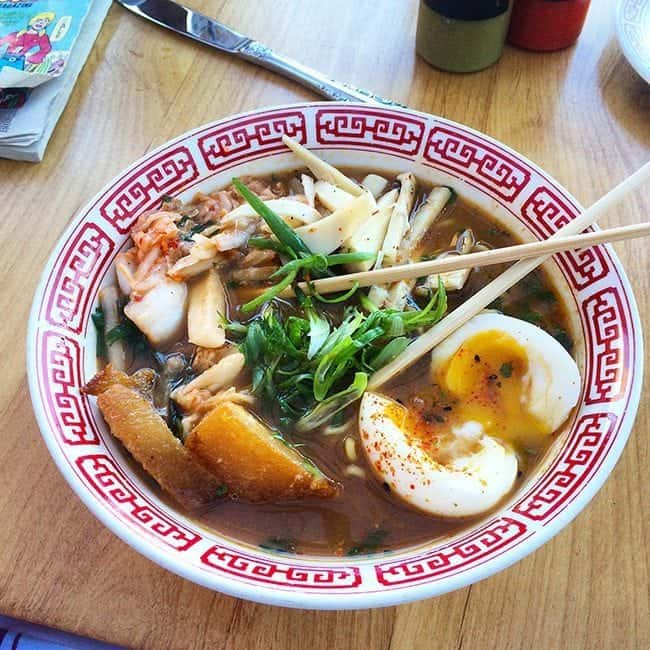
134,421
142,380
251,461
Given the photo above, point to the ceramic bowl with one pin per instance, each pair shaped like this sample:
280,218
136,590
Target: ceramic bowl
61,344
633,31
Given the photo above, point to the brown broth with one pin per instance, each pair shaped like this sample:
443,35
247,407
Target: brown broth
342,525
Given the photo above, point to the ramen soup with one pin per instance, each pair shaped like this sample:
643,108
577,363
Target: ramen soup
242,390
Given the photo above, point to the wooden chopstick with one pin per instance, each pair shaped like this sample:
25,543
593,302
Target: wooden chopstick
474,260
507,279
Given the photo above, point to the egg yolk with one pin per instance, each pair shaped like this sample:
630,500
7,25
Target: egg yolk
487,376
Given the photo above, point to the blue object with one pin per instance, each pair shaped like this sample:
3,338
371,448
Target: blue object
12,61
19,635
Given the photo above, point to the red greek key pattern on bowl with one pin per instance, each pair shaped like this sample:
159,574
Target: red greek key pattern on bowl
584,267
475,160
607,331
120,499
378,129
74,277
250,137
544,212
144,186
590,438
60,372
109,482
453,558
287,574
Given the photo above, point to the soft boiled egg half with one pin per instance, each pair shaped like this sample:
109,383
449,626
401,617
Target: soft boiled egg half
499,385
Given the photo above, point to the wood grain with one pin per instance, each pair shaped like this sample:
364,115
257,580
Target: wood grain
582,114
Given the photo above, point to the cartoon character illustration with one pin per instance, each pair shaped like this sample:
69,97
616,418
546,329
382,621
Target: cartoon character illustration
56,66
21,43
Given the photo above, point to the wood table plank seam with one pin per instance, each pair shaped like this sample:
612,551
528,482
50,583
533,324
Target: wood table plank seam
462,619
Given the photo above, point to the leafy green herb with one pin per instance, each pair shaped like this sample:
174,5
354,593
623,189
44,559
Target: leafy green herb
267,244
195,230
306,370
234,328
290,244
366,303
533,281
284,233
392,350
120,332
340,298
269,294
100,327
309,464
545,295
530,315
310,263
338,419
371,543
221,491
535,288
324,411
497,304
319,329
316,262
174,419
350,258
506,369
564,339
128,332
280,544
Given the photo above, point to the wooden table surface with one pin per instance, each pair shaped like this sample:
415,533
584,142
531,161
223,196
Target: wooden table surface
582,114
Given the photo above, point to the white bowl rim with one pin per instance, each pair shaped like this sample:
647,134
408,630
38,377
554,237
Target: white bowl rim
635,58
336,601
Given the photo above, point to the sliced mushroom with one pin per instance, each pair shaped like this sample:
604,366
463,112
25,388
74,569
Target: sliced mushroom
399,221
378,295
399,293
203,255
109,299
463,243
308,187
427,214
218,377
189,267
253,274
